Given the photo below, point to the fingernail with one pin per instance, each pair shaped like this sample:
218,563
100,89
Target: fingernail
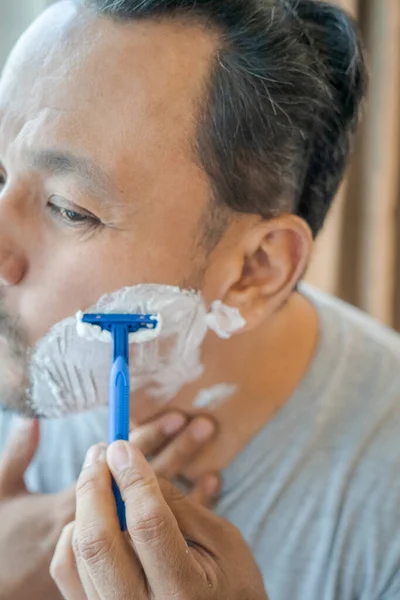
202,429
94,455
173,423
118,456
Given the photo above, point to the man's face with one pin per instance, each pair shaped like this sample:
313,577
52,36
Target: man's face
99,184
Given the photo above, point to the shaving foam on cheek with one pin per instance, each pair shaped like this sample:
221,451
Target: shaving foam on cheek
70,366
93,333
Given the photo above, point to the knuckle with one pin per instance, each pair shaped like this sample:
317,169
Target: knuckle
149,527
92,546
133,483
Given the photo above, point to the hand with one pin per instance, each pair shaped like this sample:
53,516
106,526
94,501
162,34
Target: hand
30,523
175,548
171,442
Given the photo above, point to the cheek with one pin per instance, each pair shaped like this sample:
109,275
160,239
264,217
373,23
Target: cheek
72,276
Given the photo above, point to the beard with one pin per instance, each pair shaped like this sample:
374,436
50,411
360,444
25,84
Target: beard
15,357
65,373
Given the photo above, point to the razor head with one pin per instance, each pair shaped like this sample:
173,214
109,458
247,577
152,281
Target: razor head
133,323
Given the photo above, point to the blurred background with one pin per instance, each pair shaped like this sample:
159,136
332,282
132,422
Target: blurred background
358,254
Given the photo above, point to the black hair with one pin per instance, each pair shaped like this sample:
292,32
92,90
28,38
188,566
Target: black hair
283,99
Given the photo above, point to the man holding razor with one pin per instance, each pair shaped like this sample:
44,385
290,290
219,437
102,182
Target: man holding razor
200,145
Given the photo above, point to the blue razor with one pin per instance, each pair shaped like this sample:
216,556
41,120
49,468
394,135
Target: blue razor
120,327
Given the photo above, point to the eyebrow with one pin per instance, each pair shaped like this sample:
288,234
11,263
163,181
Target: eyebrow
65,163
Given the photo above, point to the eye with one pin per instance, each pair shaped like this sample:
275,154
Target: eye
69,215
2,179
73,218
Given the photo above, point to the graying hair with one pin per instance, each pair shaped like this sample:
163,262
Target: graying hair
282,102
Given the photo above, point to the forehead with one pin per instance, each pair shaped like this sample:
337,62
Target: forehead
127,89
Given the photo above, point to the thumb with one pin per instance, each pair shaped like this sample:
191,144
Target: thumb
17,456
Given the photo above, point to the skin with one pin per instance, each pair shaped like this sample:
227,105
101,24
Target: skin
174,548
125,101
33,523
122,100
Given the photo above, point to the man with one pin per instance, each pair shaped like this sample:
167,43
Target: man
201,144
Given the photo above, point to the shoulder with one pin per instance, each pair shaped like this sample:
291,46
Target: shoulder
367,351
353,319
361,431
362,388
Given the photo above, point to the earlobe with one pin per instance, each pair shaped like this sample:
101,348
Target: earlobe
277,255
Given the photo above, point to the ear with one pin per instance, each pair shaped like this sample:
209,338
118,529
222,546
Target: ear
263,268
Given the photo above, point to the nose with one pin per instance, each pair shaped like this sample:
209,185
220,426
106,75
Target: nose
12,267
13,263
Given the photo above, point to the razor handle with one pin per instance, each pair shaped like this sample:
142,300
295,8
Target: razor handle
118,423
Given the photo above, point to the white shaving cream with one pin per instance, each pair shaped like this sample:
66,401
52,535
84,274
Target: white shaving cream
214,396
69,368
224,319
95,333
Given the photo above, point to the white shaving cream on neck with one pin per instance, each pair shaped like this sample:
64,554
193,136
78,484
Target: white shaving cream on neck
69,369
212,397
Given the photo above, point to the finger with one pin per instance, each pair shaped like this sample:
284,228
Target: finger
149,438
196,522
63,567
208,535
105,559
159,544
173,458
17,456
84,577
206,490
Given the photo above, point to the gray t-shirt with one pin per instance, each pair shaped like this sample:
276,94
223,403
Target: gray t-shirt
317,492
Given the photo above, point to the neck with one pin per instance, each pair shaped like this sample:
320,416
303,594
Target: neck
264,367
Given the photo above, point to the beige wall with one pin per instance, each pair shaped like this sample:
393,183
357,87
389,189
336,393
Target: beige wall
356,255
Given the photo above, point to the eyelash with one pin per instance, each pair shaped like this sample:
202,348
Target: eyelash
69,217
73,218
